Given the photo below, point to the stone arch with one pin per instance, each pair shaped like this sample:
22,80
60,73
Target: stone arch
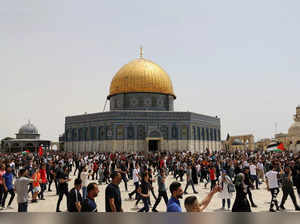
297,146
15,147
155,134
246,140
141,132
54,146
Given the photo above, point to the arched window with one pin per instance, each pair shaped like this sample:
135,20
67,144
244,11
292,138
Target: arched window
85,134
80,134
130,132
184,132
74,134
109,132
120,132
93,133
101,133
141,132
165,132
207,134
174,133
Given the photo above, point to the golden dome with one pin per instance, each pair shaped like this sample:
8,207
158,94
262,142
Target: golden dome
141,76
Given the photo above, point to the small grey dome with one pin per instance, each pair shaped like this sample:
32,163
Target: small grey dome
237,142
28,129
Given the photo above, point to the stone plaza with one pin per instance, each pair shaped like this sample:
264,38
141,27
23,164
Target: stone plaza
261,197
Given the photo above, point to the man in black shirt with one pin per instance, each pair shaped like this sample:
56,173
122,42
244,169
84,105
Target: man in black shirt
123,171
287,188
75,199
89,204
249,184
144,192
58,169
51,176
63,179
162,190
113,201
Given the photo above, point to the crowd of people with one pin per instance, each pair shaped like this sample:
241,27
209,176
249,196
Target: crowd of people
228,174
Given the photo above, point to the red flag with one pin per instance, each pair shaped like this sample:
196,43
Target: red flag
281,147
40,151
27,151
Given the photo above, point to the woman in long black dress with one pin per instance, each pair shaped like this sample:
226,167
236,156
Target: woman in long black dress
241,203
194,174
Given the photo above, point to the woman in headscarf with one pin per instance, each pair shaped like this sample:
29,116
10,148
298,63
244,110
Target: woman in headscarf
194,174
225,195
241,203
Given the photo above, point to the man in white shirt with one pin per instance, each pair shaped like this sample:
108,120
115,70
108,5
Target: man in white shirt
272,186
253,174
136,178
245,164
260,170
84,178
21,187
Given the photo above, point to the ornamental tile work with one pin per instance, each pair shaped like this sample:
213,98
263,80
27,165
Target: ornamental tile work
177,131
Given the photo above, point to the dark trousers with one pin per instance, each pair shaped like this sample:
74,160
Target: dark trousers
125,181
22,207
136,184
12,196
213,184
190,182
180,175
61,193
160,195
152,191
204,177
228,203
146,205
254,178
289,191
43,188
274,193
250,196
175,173
50,183
93,175
1,192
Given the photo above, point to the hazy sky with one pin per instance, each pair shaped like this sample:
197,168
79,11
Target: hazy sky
236,59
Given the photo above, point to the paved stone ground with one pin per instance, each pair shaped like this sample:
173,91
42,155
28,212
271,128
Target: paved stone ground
261,198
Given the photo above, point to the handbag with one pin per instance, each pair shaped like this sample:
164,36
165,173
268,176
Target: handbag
231,187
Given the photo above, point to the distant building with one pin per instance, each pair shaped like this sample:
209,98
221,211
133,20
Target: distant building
291,140
262,144
239,142
28,138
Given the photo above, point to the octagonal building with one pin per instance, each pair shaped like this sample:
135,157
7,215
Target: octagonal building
142,117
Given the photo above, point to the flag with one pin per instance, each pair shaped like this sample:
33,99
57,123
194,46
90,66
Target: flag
275,147
228,137
281,147
40,151
27,151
